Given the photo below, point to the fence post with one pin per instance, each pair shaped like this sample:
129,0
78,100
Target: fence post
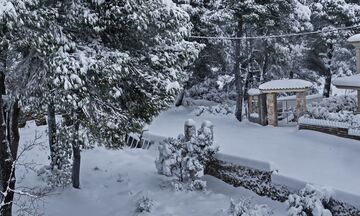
189,129
210,125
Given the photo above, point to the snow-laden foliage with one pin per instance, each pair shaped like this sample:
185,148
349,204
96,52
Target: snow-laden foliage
244,208
185,160
218,90
336,108
311,200
219,109
144,204
55,177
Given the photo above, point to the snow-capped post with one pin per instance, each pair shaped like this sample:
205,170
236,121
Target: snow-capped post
355,41
210,126
300,104
271,100
189,129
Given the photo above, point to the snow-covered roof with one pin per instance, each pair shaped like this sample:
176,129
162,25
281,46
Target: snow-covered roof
354,38
254,91
348,82
285,85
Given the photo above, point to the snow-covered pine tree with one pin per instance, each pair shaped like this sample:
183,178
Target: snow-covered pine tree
329,52
120,63
21,40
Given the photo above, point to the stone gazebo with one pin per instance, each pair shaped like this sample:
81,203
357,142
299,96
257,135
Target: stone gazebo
352,82
272,88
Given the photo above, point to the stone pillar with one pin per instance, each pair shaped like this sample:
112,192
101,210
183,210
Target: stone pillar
189,129
358,103
272,114
250,102
358,58
300,104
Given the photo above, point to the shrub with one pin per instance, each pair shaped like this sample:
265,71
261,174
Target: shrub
310,201
243,208
144,204
185,160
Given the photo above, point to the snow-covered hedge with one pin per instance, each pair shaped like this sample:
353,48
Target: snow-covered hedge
336,111
311,200
244,208
336,108
185,160
220,109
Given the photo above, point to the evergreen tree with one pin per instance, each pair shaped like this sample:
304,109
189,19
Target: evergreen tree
330,53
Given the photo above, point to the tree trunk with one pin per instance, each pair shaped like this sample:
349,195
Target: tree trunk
180,98
52,136
328,76
327,86
6,164
75,176
237,71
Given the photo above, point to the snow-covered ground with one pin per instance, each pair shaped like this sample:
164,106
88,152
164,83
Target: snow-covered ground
305,155
113,181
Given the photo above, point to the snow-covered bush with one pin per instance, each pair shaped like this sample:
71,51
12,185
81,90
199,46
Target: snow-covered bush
144,204
185,159
244,208
55,177
216,89
220,109
336,108
311,201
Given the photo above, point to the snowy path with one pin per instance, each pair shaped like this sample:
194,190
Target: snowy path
305,155
113,181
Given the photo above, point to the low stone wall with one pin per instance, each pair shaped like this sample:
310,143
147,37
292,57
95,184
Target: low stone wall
341,132
260,182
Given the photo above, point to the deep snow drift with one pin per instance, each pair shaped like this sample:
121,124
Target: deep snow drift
305,155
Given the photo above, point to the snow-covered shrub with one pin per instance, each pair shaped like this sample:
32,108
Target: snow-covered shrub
144,204
244,208
220,109
185,160
311,201
55,177
336,108
216,89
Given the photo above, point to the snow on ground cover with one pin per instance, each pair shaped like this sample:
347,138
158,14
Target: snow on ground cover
305,155
112,182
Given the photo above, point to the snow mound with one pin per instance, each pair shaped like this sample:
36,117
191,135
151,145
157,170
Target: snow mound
286,84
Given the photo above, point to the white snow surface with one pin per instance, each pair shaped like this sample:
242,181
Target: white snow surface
254,91
285,84
354,38
323,122
112,182
308,156
348,81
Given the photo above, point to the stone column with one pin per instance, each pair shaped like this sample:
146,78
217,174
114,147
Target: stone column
300,104
358,103
358,58
189,129
250,102
272,114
